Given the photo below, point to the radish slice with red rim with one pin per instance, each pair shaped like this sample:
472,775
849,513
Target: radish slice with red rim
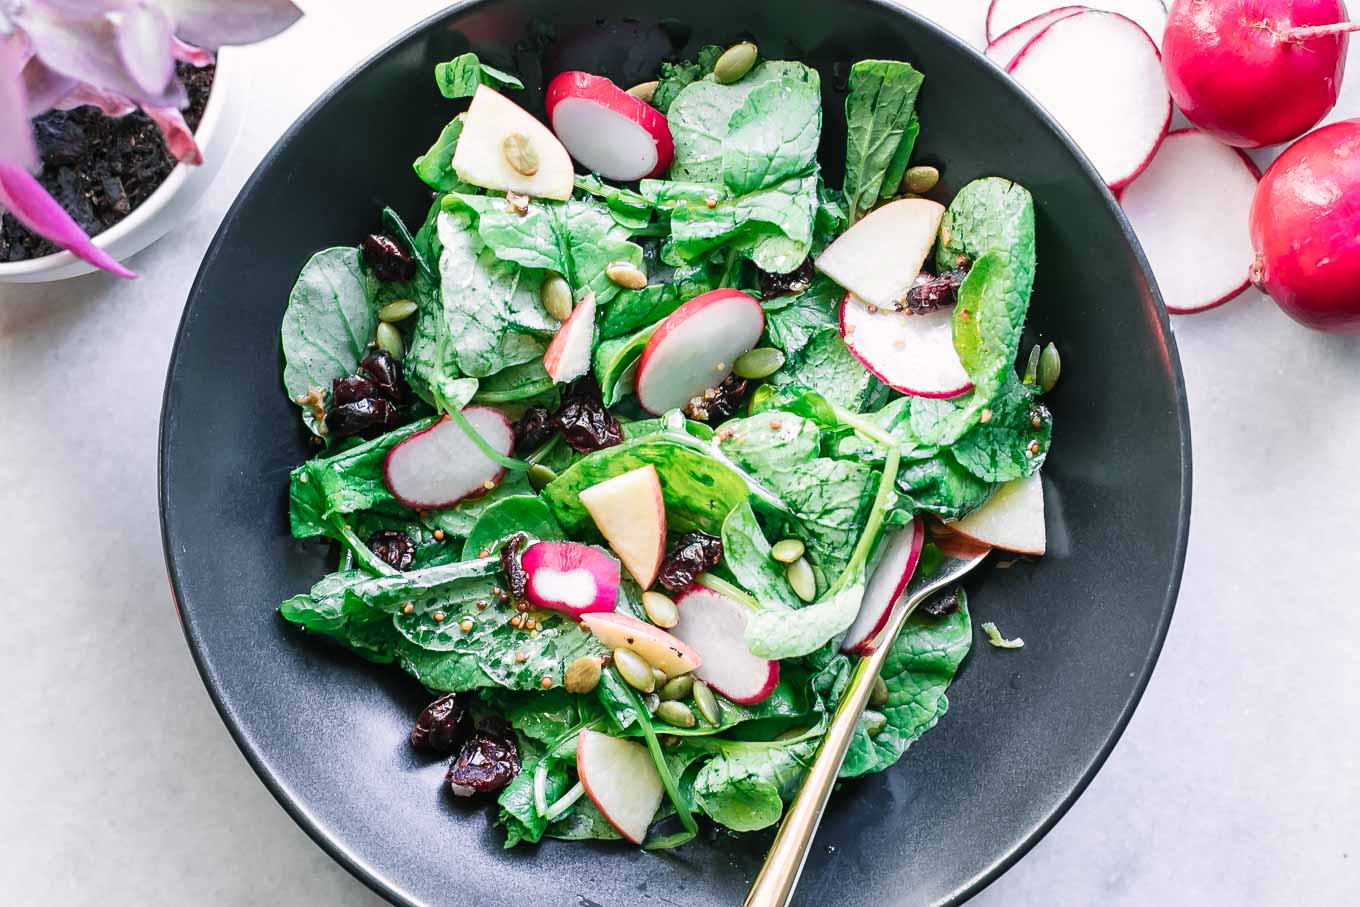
896,564
715,626
913,354
1003,49
606,129
694,348
569,577
442,465
1006,15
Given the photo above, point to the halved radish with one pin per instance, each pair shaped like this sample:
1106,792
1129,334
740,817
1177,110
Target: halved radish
878,258
1004,15
1190,209
441,465
621,780
570,577
913,354
1100,76
694,348
1003,49
568,355
715,627
630,513
662,650
491,124
901,553
1012,520
608,130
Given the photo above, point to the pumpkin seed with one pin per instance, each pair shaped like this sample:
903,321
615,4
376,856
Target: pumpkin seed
802,579
660,609
1050,367
918,180
397,311
520,153
735,63
874,722
787,551
879,694
1032,366
660,677
556,296
707,703
644,91
678,687
389,338
652,702
634,670
761,362
676,714
540,476
626,274
582,675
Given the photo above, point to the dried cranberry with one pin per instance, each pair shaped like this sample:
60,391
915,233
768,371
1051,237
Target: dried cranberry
718,403
511,565
533,429
351,390
930,292
367,418
695,553
796,281
387,376
437,727
941,604
388,260
488,761
584,422
393,547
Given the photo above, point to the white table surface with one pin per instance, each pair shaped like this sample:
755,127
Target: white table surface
1237,783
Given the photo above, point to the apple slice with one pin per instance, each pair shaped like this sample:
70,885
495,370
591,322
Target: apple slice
1100,76
878,258
1007,15
1012,520
620,779
910,353
630,513
608,130
715,627
896,564
1003,49
569,577
568,355
1190,209
441,465
694,348
662,650
480,156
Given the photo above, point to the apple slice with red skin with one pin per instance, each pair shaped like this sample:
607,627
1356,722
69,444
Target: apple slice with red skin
694,348
441,465
621,780
1013,520
715,626
630,513
661,649
571,578
568,355
608,130
480,157
901,554
881,254
913,354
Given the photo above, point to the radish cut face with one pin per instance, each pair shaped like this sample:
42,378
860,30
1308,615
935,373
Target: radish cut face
1003,50
694,348
913,354
608,130
568,355
1005,15
620,780
571,578
1013,520
1190,209
441,465
715,627
901,554
1100,76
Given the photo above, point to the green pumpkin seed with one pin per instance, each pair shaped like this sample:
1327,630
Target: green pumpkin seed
626,274
539,476
879,694
389,338
1032,366
634,670
1050,367
652,702
520,153
758,363
397,311
582,675
660,677
644,91
678,687
874,722
787,551
735,63
707,703
802,579
918,180
556,297
676,714
660,609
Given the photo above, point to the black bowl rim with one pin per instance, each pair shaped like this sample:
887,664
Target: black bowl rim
354,862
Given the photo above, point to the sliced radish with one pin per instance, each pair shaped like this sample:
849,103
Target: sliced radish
480,157
608,130
1012,520
570,577
694,348
568,355
1005,15
878,258
621,780
715,627
662,650
1100,76
1190,209
898,562
913,354
630,513
441,465
1003,49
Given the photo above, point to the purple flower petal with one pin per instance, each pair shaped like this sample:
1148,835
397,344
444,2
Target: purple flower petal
25,198
109,104
46,87
179,138
213,23
144,44
16,133
188,53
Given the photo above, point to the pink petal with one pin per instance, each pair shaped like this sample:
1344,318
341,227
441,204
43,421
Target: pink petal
144,44
46,87
213,23
188,53
110,104
16,133
28,201
179,138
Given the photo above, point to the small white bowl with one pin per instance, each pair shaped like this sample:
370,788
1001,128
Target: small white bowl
153,218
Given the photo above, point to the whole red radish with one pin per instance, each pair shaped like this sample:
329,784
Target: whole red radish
1255,72
1305,228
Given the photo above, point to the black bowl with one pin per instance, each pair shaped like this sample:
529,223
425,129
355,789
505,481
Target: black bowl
1027,730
